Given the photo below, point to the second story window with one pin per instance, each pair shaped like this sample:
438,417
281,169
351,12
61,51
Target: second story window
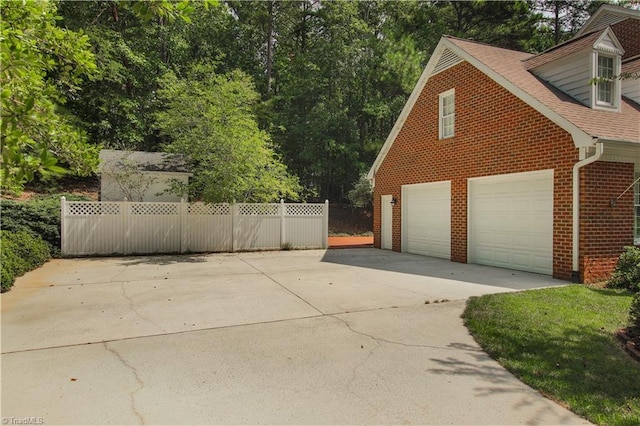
447,113
605,85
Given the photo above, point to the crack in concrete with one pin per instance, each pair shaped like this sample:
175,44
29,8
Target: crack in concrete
281,285
134,310
132,397
392,342
118,274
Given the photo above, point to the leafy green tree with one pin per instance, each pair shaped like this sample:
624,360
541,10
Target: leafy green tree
209,120
40,66
135,43
361,195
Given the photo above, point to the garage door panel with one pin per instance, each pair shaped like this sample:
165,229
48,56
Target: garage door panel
427,219
511,221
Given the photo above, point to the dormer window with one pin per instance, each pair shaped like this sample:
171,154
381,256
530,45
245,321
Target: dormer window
605,70
605,84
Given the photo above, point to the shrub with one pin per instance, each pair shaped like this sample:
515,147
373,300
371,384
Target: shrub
20,253
627,272
634,316
39,217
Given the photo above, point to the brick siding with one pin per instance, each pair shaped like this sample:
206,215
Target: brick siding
495,133
605,229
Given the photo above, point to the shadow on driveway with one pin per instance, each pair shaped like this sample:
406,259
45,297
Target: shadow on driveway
405,263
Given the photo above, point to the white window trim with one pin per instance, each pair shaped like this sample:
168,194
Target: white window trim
615,96
441,135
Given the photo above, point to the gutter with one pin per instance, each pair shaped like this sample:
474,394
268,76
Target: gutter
576,207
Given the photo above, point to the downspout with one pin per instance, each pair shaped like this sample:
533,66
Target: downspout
576,207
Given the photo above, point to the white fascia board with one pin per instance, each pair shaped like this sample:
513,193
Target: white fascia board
580,137
413,98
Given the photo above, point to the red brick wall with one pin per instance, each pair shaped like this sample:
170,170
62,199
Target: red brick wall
605,229
495,133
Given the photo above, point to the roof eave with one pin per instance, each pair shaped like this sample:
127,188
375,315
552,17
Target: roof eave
580,137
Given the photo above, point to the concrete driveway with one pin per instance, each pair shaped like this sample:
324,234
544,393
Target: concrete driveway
299,337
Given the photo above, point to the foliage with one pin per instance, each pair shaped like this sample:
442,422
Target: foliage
41,65
332,77
20,253
561,342
39,217
135,43
230,157
126,173
627,271
361,194
634,316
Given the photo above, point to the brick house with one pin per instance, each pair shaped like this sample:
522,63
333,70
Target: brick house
498,152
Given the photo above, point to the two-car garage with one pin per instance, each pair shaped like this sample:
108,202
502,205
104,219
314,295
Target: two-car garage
509,220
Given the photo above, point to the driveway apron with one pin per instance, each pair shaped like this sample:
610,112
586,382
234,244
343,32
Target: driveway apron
296,337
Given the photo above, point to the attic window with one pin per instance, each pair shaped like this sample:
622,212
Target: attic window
447,114
605,85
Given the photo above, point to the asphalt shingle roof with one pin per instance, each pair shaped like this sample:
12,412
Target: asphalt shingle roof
510,64
562,50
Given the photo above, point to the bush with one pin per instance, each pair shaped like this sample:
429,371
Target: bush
39,217
20,253
627,272
634,316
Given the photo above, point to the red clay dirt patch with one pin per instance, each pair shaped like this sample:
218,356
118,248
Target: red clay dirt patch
350,242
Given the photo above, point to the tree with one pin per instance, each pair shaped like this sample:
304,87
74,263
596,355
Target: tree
135,43
361,195
209,120
40,66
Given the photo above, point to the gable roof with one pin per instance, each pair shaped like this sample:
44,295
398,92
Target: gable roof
605,16
144,161
589,40
508,68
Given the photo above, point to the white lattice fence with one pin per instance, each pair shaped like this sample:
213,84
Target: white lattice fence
100,228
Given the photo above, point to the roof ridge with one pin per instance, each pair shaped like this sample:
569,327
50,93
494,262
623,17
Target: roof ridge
483,44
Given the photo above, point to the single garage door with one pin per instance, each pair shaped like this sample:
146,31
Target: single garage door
511,221
426,219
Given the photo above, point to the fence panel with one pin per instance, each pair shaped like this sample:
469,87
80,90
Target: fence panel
102,228
304,225
93,228
153,228
256,227
208,228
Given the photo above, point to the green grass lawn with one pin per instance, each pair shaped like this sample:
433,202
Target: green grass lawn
561,342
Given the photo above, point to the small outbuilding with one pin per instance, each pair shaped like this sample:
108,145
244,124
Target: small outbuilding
142,176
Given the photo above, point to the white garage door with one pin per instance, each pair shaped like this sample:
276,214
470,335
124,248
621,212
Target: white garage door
511,221
426,219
